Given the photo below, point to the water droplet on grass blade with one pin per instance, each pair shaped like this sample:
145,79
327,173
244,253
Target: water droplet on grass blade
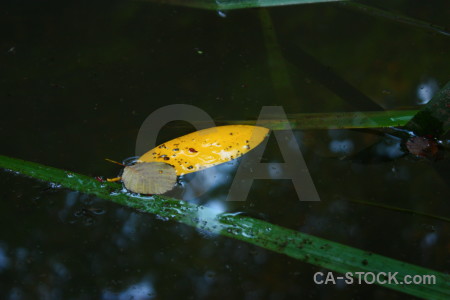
55,185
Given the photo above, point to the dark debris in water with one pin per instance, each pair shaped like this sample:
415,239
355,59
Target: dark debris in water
100,178
87,215
423,146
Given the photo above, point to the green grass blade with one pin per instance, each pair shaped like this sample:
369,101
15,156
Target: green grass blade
396,17
237,4
307,248
344,120
281,79
316,70
402,210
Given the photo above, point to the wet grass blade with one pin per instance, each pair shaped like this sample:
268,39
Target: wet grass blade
304,247
237,4
281,79
331,80
402,210
344,120
395,17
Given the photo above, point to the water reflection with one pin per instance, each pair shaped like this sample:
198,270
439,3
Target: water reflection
198,187
426,90
60,270
429,240
209,217
341,146
390,148
78,208
340,142
47,252
4,260
139,291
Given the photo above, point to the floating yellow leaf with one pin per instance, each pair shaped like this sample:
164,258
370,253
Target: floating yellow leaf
206,148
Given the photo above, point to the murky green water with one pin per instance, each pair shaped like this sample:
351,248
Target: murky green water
79,78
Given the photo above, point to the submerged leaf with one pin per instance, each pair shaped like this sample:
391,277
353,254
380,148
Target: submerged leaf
206,148
149,178
422,146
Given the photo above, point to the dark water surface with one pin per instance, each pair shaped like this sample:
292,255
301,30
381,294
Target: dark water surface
78,78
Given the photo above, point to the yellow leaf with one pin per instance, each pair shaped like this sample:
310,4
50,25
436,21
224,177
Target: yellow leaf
206,148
